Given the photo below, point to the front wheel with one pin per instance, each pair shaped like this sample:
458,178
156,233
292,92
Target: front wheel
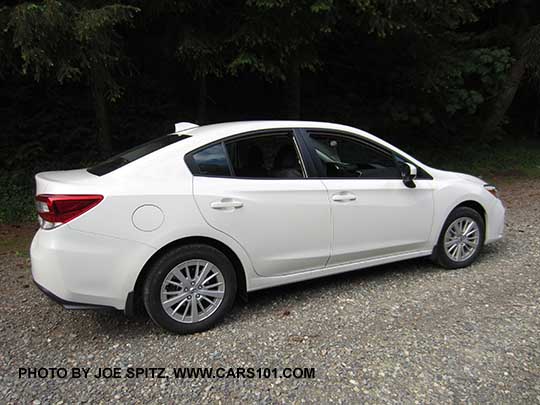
190,289
461,238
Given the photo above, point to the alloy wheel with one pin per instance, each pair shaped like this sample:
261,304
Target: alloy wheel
192,291
462,239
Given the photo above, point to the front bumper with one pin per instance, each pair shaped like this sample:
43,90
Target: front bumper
82,269
495,222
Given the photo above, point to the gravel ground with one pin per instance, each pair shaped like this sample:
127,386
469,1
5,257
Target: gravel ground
406,332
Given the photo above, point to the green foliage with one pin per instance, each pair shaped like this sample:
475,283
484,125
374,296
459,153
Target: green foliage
17,198
493,159
62,40
203,44
384,17
531,49
38,32
275,33
469,78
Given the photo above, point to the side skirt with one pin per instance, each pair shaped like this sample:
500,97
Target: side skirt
260,283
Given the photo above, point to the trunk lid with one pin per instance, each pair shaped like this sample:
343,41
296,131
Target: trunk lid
78,181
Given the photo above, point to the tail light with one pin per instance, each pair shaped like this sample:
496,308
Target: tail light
55,209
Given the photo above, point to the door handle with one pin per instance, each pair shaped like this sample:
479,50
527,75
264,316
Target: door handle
343,197
226,204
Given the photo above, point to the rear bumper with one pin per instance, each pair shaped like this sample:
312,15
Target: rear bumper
85,270
69,304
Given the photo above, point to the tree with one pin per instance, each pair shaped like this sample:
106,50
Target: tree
279,39
203,45
524,32
67,41
427,62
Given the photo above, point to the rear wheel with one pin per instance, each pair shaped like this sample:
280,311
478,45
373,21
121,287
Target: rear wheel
461,239
190,289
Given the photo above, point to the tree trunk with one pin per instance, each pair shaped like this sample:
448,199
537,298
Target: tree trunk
536,122
506,96
202,102
522,22
101,108
293,92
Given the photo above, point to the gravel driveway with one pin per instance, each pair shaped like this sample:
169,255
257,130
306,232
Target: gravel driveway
397,333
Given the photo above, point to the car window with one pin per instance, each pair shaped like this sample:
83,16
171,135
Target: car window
212,161
133,154
266,156
341,156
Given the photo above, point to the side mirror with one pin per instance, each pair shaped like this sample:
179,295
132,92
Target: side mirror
408,174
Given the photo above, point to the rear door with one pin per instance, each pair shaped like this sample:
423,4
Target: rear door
374,214
254,188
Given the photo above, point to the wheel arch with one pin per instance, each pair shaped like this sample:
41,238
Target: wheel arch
469,203
475,205
134,302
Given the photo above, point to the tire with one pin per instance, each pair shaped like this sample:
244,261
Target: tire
164,285
441,254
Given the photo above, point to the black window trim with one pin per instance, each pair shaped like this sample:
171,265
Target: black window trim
307,152
308,168
305,134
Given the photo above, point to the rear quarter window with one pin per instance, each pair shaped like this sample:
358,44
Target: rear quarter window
210,161
133,154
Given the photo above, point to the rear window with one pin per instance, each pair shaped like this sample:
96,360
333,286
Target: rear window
133,154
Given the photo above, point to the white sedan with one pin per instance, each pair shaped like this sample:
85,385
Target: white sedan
185,223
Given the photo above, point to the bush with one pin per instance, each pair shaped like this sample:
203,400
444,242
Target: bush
504,159
17,197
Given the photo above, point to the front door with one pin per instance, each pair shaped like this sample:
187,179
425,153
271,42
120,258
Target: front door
374,214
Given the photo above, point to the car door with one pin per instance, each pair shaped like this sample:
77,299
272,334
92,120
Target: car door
373,213
254,188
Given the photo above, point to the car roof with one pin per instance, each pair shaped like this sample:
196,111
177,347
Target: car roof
199,137
217,131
